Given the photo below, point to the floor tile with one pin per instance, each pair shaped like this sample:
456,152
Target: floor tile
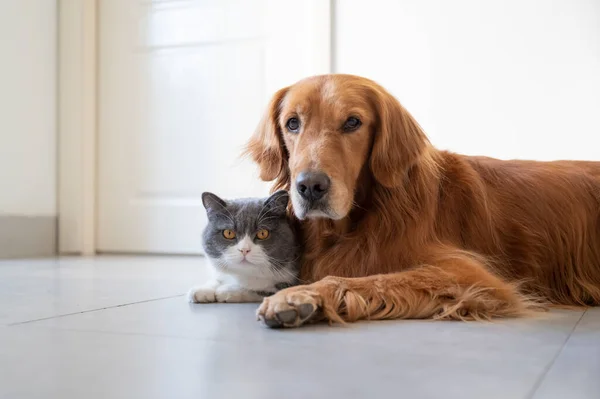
467,359
176,318
33,289
119,327
576,372
449,361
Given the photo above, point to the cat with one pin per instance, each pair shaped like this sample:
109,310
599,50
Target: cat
251,246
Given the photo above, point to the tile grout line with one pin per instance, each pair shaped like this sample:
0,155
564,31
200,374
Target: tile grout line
92,310
549,366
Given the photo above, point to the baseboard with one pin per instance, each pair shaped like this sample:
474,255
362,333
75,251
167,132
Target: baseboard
27,236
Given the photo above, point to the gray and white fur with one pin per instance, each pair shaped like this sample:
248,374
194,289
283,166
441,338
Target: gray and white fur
247,268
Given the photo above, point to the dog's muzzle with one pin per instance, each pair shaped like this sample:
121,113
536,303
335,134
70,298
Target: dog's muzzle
311,188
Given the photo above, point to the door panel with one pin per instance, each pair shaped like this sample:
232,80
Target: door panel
182,86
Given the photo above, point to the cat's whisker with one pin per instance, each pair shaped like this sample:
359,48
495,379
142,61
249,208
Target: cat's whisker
266,210
219,264
229,215
282,271
267,217
276,272
275,265
297,277
263,211
281,264
286,274
297,258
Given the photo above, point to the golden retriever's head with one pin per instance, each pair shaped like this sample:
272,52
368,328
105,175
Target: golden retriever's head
318,135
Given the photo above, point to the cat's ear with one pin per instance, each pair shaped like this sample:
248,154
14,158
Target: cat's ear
278,202
212,203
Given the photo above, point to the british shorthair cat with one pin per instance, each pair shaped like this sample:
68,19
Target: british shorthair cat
251,246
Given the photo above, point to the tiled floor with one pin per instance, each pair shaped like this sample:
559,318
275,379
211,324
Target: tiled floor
120,328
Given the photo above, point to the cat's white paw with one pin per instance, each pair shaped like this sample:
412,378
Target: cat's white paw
235,294
201,294
204,293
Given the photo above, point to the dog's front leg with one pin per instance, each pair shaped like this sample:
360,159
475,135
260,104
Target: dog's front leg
455,286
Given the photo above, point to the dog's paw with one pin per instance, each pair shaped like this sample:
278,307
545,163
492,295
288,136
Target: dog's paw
291,307
202,294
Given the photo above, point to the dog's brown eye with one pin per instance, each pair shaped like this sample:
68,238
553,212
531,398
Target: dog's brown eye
293,125
351,124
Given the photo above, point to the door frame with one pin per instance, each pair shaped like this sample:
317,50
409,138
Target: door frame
78,113
77,126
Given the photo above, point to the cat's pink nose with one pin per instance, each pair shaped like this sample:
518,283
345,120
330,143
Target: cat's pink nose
245,251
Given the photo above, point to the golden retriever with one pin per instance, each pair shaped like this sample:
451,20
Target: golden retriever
394,228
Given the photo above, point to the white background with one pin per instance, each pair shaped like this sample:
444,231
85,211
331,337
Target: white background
28,107
509,78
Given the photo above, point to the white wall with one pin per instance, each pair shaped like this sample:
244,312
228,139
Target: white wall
510,78
28,107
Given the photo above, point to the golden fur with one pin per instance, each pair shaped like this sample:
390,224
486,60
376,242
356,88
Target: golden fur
415,232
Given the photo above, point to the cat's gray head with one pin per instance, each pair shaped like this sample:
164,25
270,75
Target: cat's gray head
251,236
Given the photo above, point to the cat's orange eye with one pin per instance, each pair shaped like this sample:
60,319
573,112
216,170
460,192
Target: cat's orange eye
262,234
229,234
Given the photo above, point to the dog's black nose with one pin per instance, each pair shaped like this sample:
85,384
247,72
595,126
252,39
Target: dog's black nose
312,186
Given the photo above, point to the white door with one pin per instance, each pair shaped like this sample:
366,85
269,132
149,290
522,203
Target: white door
182,85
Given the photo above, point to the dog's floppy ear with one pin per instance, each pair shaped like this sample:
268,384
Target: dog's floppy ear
266,146
398,141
